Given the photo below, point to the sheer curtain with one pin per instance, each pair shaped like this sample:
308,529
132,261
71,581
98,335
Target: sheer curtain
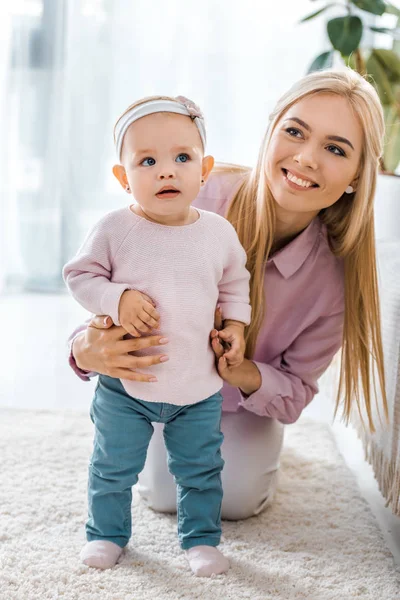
69,67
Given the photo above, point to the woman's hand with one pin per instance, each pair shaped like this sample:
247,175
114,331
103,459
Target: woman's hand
101,348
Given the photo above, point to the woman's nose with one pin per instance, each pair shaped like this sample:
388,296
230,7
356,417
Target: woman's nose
307,158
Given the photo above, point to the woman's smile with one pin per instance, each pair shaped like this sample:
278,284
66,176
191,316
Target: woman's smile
296,182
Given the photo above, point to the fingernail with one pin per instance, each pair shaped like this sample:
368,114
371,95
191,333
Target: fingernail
163,340
152,379
164,358
106,320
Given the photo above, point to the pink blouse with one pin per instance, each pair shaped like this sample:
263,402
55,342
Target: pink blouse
302,329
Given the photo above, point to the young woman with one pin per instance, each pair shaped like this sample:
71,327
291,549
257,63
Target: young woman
305,217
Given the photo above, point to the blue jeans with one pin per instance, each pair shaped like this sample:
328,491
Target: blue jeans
193,440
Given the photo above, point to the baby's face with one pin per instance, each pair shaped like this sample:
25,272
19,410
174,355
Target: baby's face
163,159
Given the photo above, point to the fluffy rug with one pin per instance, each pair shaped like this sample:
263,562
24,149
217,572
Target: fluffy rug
319,541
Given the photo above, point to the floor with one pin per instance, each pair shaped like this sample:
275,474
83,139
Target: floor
34,374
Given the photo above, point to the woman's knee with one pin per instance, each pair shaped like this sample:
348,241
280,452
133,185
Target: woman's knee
245,499
158,500
156,485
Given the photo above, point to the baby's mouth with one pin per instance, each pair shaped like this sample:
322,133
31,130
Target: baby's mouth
168,192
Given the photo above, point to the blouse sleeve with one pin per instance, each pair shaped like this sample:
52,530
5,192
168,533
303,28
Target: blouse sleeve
289,384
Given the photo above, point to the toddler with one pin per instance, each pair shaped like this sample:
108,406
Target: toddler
162,265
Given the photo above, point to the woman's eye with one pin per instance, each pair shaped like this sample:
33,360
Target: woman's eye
336,150
182,158
293,131
148,162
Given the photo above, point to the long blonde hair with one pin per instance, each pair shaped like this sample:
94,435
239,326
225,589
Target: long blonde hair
350,227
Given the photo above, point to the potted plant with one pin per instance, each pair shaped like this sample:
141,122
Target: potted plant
382,66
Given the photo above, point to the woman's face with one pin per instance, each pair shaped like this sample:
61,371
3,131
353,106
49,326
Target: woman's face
314,153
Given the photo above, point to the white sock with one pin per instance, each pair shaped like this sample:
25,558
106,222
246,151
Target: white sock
100,554
206,561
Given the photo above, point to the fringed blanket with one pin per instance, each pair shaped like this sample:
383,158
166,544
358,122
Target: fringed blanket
382,449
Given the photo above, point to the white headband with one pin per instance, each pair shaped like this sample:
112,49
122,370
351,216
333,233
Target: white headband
182,106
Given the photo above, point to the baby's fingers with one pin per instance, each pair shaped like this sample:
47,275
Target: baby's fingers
233,355
226,335
146,318
234,362
130,328
149,309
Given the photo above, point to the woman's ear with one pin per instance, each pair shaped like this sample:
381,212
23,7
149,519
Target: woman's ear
120,173
354,183
207,166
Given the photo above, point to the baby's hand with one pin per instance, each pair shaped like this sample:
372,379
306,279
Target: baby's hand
137,314
232,337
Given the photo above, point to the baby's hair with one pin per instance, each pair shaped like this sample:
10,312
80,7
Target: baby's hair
143,101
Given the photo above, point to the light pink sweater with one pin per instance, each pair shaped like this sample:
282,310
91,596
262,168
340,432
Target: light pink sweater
187,271
302,328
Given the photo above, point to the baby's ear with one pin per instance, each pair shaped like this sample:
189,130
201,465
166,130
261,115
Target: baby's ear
207,166
120,173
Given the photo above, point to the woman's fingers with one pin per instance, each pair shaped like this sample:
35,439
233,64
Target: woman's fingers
138,362
218,318
132,345
132,375
217,347
101,322
222,367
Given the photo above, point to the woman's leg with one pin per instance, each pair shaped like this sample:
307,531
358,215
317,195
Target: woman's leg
156,484
251,450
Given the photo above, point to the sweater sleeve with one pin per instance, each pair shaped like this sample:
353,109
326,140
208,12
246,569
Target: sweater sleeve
234,292
290,383
88,274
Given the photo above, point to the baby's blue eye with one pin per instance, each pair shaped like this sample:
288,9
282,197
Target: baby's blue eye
148,162
182,158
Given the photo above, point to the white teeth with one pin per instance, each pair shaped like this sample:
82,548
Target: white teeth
302,182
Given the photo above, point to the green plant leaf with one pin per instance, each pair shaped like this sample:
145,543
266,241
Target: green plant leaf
391,152
345,33
376,7
318,12
395,31
323,61
380,79
390,62
392,10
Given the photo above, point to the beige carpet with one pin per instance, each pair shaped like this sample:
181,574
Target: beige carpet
319,541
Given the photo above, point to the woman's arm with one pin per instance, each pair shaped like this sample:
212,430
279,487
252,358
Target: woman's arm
283,388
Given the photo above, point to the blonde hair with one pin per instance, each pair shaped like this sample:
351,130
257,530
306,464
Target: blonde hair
350,227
